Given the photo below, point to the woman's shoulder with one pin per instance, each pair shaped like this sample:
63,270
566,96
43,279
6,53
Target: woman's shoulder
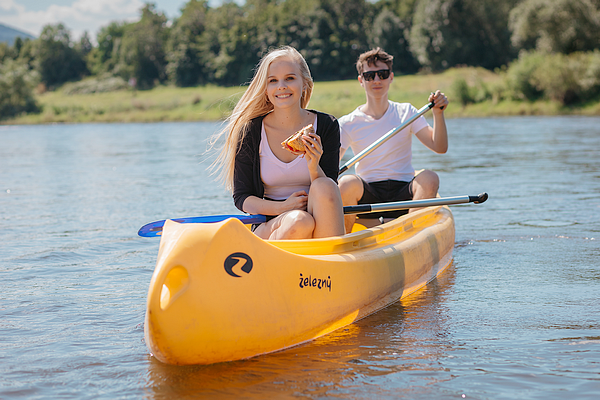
321,114
324,119
251,133
254,126
256,121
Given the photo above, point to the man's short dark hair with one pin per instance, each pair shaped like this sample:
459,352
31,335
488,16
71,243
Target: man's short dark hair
372,56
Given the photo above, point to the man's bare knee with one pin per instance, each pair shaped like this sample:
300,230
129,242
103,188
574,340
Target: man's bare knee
426,185
351,189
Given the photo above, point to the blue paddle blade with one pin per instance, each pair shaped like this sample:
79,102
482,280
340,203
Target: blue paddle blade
155,228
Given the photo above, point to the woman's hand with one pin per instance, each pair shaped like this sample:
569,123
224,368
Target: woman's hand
314,151
297,201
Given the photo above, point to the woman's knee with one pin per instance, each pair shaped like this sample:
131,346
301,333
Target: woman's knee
323,183
324,188
299,223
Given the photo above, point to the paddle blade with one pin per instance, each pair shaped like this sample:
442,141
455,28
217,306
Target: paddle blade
155,228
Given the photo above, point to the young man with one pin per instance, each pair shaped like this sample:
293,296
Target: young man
387,174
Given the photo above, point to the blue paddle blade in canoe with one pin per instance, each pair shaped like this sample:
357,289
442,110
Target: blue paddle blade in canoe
155,228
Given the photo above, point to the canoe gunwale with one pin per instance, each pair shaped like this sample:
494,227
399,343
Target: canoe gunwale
360,239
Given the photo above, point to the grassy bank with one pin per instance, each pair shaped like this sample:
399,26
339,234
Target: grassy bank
210,103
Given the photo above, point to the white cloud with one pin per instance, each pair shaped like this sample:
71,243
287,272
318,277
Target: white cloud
79,16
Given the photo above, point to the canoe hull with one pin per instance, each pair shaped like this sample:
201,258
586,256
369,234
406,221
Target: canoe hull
219,293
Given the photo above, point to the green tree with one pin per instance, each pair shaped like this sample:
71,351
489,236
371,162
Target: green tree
341,37
27,53
228,44
56,60
329,33
558,26
141,52
447,33
17,82
10,52
104,57
5,52
323,45
185,46
85,44
391,34
18,45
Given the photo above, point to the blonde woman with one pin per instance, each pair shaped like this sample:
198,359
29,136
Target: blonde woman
298,192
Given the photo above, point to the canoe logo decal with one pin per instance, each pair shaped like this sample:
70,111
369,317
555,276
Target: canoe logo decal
309,281
238,258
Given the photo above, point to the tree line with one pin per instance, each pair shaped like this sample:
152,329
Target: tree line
221,45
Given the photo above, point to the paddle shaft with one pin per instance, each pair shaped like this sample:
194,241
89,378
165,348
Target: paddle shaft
385,138
155,228
405,205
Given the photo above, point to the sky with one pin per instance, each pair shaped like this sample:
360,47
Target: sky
79,15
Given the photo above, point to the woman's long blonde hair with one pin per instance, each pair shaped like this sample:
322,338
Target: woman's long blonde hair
254,103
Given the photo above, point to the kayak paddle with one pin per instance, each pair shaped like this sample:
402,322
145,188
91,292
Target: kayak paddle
385,137
405,205
155,228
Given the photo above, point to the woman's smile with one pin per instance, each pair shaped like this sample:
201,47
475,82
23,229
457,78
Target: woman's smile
284,83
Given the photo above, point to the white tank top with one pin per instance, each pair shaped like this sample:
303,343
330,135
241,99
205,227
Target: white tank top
279,178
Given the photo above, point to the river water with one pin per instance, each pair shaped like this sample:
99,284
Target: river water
516,315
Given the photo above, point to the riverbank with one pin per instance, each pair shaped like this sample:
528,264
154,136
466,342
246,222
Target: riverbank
212,103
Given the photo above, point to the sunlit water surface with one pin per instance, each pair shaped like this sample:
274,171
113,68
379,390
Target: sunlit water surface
516,316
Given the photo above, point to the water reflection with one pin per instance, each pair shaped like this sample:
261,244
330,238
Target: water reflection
400,343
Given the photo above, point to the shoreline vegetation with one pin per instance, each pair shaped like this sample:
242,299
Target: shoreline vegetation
471,92
521,58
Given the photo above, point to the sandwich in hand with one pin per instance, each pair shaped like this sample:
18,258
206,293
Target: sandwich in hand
294,143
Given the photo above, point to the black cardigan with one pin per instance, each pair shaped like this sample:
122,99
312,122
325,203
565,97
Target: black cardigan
246,173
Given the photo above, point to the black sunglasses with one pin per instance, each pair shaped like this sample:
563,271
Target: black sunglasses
382,73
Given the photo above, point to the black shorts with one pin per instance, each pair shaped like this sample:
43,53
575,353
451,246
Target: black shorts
385,192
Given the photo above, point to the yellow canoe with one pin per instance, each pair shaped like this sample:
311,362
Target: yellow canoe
220,293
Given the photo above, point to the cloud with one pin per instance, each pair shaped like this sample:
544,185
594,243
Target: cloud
79,16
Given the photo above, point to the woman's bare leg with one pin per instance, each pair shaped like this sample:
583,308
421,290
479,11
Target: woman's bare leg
294,224
325,216
325,205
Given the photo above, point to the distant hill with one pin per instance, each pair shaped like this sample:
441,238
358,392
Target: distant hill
8,34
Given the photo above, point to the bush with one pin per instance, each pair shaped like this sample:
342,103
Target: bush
556,78
17,83
589,79
98,84
467,94
567,79
519,79
462,92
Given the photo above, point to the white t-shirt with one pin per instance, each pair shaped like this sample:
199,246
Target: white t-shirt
391,160
281,179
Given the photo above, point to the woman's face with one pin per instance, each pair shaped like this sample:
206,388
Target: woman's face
284,83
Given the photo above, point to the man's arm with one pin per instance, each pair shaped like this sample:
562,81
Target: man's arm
342,152
436,138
